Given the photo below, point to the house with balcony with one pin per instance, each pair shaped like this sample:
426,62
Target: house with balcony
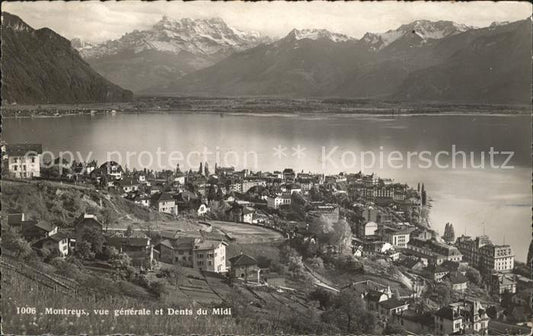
22,160
203,254
276,201
57,243
164,202
139,249
463,317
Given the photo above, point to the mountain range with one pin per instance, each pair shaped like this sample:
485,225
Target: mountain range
40,66
422,61
168,50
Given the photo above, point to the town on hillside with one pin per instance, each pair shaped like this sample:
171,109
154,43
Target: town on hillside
348,247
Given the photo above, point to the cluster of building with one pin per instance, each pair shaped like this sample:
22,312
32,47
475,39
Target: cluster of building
388,226
206,254
466,316
62,241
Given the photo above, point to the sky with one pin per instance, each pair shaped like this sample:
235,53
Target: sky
95,21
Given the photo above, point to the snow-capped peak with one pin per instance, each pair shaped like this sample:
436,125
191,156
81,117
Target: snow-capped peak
315,34
498,23
197,36
424,29
79,44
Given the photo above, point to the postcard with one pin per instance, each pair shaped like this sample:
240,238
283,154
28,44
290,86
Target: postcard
239,168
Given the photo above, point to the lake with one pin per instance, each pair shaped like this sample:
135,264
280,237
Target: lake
490,199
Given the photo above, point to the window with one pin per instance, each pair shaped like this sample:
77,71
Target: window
200,263
33,159
210,263
200,255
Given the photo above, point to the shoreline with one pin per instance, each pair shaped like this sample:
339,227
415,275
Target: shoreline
317,115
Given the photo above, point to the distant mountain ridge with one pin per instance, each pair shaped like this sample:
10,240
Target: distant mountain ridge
166,51
424,29
40,66
421,61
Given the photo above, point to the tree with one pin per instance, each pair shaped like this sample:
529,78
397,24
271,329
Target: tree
316,263
122,263
12,241
109,216
324,297
220,194
474,276
206,169
423,195
342,236
159,288
129,231
449,233
211,193
393,329
201,169
95,239
349,313
83,250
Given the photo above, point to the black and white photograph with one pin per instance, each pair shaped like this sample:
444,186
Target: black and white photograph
261,168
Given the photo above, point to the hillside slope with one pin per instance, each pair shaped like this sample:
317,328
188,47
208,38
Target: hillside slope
40,66
493,65
61,204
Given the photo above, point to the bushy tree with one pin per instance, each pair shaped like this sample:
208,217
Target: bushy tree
296,267
109,216
12,241
325,298
129,231
84,251
159,288
348,312
122,263
449,233
474,276
393,329
95,239
342,236
316,263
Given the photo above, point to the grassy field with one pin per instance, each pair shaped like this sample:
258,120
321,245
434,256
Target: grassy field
247,233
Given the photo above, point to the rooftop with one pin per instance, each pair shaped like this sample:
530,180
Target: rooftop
128,241
392,303
242,260
207,245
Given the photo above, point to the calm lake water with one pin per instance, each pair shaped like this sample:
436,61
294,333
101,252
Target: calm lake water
476,200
